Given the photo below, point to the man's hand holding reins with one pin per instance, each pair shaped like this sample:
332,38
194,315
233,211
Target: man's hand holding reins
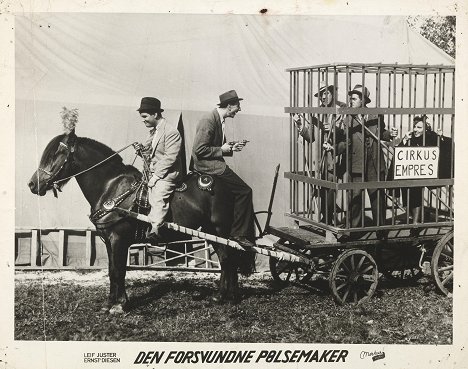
138,147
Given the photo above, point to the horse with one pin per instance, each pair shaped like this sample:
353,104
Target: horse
102,176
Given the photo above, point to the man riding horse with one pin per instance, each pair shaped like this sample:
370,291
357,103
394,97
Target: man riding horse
209,149
163,167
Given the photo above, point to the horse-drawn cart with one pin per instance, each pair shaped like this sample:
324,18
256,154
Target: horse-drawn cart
353,255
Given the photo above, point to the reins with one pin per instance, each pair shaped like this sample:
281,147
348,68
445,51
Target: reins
55,183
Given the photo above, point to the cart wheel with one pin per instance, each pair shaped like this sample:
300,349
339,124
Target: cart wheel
442,264
401,264
287,272
354,277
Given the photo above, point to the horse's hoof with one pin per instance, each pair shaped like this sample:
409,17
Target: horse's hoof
197,296
116,310
217,299
234,300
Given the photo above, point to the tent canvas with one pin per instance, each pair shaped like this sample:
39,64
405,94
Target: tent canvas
103,64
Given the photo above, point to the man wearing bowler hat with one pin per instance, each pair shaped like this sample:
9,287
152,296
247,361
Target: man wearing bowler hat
366,158
209,149
161,152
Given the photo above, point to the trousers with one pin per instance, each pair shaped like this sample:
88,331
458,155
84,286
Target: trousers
159,196
243,220
377,201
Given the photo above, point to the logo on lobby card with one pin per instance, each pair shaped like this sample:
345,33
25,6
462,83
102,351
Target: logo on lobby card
416,162
375,355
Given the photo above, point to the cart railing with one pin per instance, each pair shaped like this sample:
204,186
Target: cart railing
308,195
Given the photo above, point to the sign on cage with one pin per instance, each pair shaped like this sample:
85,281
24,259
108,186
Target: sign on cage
416,162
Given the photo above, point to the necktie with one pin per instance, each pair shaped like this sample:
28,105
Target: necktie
223,128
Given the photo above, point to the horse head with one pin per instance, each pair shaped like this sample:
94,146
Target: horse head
55,165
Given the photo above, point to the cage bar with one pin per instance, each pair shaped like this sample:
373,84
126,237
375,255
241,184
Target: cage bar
321,185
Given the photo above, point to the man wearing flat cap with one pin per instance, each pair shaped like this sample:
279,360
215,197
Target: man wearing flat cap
366,157
209,149
161,152
330,164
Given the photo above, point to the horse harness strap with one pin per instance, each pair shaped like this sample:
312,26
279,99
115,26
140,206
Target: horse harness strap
111,204
52,175
55,183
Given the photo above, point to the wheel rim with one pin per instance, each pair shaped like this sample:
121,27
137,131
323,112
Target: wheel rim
354,277
442,264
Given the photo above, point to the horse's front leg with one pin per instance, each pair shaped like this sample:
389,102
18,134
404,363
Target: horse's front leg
117,252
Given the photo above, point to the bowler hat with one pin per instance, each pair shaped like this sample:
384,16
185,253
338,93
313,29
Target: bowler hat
358,90
151,104
229,97
323,87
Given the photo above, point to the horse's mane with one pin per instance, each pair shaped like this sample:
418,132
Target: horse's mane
107,151
99,146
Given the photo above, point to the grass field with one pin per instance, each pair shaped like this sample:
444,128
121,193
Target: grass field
177,307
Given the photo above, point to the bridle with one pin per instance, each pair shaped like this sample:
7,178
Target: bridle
52,175
55,183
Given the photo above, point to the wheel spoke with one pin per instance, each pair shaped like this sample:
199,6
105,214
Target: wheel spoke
353,266
342,276
355,296
346,294
344,266
446,257
363,258
341,286
365,287
447,279
446,268
370,267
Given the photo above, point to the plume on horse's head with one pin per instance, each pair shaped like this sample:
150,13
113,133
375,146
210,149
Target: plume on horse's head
69,119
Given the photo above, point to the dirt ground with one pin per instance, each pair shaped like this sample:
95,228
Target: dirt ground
176,306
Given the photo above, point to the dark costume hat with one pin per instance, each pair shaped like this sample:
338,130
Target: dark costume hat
358,90
150,104
324,87
229,97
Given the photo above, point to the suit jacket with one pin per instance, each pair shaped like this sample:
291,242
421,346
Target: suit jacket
364,149
307,131
207,154
165,153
